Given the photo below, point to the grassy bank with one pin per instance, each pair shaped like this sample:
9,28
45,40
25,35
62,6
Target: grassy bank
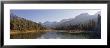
24,34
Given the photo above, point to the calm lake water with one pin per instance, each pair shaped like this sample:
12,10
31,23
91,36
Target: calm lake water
65,35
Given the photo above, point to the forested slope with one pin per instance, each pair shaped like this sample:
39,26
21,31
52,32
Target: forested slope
22,24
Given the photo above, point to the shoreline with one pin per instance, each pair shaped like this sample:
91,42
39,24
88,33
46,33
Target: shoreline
38,31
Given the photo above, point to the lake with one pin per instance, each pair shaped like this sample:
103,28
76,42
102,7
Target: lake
55,35
66,35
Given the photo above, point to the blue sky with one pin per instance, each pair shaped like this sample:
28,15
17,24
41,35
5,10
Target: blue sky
51,15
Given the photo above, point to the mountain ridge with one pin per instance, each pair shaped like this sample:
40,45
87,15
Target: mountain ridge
81,18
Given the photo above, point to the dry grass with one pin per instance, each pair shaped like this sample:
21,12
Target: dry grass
24,35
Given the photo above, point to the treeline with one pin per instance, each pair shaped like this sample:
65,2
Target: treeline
21,24
92,25
88,27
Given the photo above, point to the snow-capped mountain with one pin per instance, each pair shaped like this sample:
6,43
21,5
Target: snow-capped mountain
49,24
79,19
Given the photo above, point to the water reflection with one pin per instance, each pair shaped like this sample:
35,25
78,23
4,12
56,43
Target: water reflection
66,35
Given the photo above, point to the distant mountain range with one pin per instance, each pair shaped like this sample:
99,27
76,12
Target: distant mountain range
79,19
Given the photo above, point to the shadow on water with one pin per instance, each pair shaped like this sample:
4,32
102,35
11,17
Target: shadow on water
95,35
